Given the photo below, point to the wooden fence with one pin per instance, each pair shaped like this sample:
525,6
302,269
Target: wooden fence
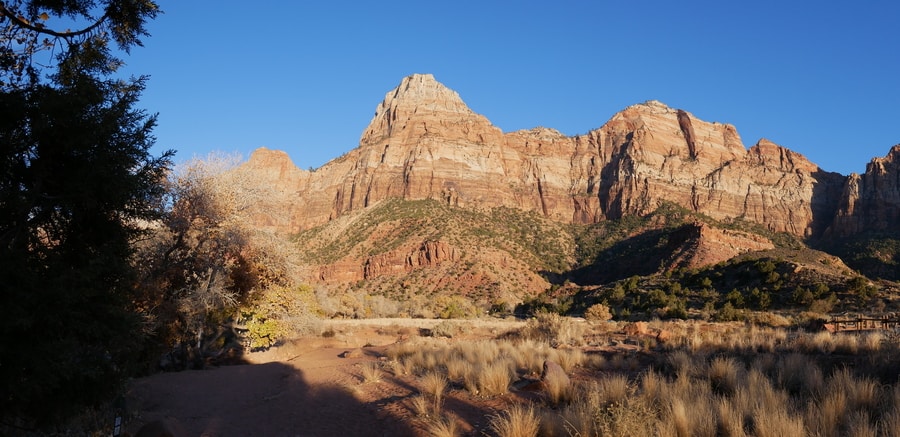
863,324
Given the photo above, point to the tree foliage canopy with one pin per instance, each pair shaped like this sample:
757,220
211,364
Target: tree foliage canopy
77,186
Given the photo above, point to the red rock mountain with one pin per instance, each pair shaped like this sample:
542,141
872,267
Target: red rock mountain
425,143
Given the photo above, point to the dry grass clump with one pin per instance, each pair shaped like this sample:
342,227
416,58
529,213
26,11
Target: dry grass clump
443,427
724,375
554,329
371,372
433,385
558,388
493,378
421,406
714,384
771,422
517,421
569,359
872,341
798,374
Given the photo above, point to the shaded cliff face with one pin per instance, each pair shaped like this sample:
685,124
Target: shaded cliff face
871,202
425,143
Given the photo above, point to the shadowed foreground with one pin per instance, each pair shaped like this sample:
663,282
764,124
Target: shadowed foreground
271,399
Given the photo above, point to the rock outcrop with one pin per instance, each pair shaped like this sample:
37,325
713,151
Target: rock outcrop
871,201
696,245
425,143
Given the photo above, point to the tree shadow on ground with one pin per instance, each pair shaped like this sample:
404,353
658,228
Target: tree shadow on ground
271,399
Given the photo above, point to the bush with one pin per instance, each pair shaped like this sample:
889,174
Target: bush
445,328
598,313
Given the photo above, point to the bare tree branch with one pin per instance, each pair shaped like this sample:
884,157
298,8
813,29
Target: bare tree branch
21,22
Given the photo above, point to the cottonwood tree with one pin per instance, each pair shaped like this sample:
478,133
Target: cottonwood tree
212,266
76,180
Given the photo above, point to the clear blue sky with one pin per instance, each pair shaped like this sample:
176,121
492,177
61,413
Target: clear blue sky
821,78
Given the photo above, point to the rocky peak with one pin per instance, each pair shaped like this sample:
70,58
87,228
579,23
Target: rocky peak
871,201
418,96
770,154
890,162
275,167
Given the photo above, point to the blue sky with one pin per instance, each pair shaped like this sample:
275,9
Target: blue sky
821,78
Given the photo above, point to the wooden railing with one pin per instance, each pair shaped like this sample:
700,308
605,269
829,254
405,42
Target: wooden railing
864,323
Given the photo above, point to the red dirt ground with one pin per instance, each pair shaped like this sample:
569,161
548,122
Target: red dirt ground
304,388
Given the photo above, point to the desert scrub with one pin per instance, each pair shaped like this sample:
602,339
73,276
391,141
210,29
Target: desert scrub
371,372
432,385
598,313
517,421
554,329
493,378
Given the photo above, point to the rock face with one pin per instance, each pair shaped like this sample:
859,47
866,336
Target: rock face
871,201
425,143
697,245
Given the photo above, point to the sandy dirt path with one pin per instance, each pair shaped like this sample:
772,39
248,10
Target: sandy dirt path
303,388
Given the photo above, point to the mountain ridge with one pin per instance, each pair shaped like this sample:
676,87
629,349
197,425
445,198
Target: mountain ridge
424,143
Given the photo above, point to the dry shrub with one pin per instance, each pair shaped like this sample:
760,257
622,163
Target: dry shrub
653,388
517,421
613,389
398,351
862,393
457,368
872,341
617,362
798,374
826,416
859,426
724,375
846,344
729,419
630,419
554,329
371,372
558,388
493,379
596,361
421,405
776,423
597,313
821,342
682,362
569,359
433,385
689,414
678,417
443,427
890,424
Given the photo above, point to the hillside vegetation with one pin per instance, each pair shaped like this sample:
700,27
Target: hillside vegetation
506,260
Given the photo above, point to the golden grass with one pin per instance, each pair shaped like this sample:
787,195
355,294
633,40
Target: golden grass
558,388
517,421
443,427
421,406
432,385
569,359
493,379
738,381
371,372
723,375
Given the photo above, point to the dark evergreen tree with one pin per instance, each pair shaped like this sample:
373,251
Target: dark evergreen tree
77,185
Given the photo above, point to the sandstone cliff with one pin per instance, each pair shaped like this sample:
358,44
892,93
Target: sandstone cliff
871,201
425,143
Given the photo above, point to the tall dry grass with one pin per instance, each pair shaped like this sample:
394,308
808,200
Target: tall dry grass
741,381
517,421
